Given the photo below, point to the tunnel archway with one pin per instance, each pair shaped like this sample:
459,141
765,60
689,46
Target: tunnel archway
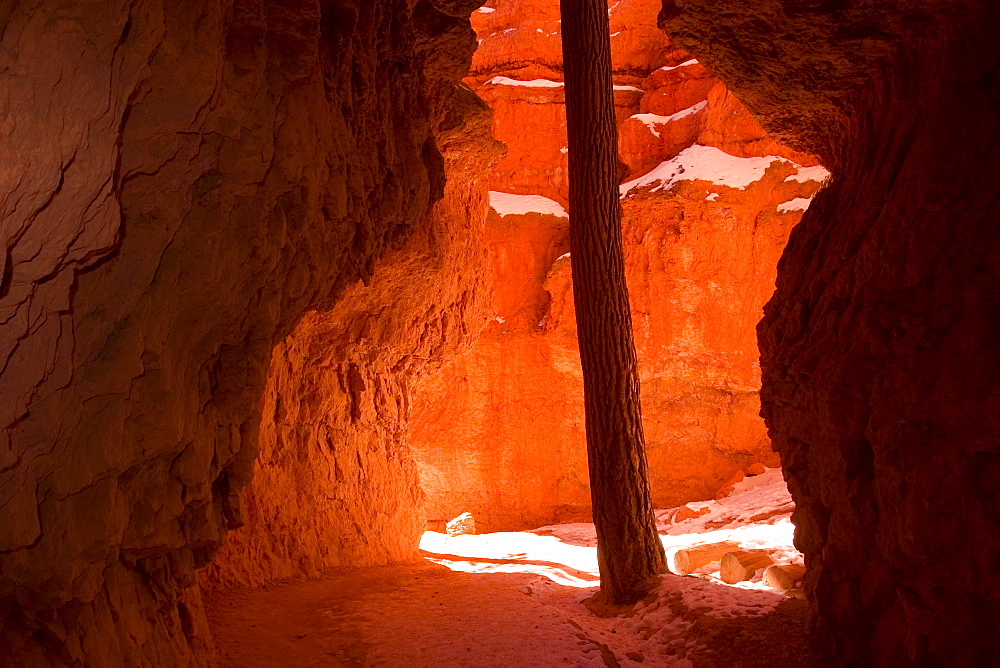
185,180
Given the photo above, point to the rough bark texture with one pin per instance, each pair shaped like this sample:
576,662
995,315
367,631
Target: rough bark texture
629,553
181,181
881,348
700,260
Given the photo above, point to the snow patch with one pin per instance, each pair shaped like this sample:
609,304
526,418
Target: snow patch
704,163
797,204
509,204
533,83
756,515
805,174
712,197
652,120
686,63
486,10
544,83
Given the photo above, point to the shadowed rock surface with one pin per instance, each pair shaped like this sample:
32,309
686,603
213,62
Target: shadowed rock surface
182,181
880,346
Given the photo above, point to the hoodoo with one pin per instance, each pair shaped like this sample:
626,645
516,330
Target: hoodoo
281,281
708,200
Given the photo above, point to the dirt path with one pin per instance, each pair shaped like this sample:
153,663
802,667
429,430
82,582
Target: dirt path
426,615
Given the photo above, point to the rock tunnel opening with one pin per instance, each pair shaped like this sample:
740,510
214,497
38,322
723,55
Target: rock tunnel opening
350,453
280,236
708,201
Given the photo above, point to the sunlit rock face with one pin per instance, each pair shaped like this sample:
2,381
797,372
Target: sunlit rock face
880,347
500,430
334,484
181,182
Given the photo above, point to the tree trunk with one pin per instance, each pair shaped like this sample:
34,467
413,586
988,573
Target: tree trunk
629,551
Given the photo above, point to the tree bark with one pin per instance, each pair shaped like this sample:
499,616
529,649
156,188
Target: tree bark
629,552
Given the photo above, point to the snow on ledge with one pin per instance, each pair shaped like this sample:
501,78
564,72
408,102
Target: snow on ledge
486,10
817,173
533,83
797,204
668,68
652,120
704,163
509,204
547,83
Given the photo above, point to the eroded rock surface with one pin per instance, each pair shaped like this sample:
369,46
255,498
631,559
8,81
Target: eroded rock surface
181,181
499,430
880,346
334,484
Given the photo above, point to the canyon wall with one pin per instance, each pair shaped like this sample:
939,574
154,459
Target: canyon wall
334,484
182,181
711,199
880,346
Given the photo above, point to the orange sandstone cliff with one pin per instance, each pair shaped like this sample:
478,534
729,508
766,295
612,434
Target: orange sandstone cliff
707,208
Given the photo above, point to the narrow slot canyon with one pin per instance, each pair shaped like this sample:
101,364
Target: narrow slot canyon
291,373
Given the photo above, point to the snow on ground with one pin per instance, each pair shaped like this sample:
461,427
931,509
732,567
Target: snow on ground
652,120
516,599
509,204
757,515
707,163
663,629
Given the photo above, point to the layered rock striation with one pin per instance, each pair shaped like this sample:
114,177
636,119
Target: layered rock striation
879,347
708,202
182,181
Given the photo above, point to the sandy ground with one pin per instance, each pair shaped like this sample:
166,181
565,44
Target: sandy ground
515,599
426,615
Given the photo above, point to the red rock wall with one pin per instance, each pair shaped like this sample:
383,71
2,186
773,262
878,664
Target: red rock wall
335,484
499,431
181,181
880,347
